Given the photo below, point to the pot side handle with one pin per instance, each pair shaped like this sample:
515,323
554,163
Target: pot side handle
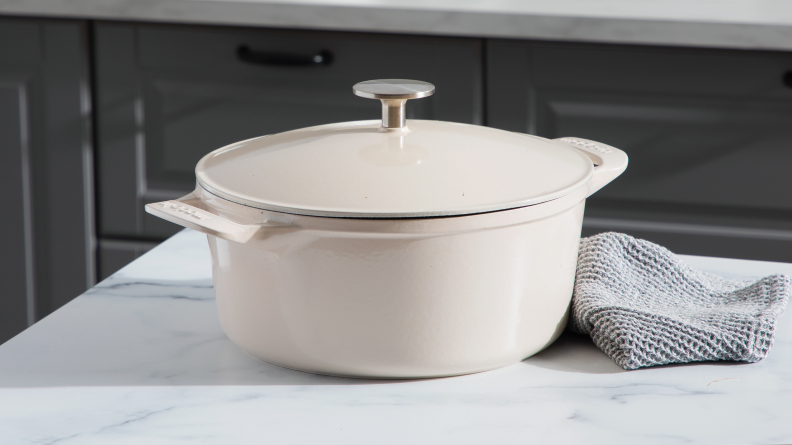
609,162
184,213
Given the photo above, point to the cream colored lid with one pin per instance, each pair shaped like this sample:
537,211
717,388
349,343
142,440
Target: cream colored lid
365,170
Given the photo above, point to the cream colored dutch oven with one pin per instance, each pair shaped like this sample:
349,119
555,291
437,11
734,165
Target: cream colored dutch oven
394,249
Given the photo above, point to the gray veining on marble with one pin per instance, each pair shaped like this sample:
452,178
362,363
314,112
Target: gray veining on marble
141,358
746,24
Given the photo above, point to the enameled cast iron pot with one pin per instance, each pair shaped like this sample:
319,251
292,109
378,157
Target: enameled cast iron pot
394,249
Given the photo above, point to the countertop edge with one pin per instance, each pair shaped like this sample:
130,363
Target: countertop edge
476,24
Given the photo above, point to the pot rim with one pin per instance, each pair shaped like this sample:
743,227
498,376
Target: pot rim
493,208
420,226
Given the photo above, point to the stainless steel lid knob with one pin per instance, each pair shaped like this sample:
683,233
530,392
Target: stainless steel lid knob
393,93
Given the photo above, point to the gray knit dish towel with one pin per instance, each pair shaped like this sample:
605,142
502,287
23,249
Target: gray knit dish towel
643,306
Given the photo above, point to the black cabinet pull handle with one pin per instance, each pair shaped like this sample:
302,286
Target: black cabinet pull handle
787,79
271,58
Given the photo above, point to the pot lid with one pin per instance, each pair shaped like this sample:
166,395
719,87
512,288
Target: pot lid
394,168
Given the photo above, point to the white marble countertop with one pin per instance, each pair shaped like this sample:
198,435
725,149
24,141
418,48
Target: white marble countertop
141,359
750,24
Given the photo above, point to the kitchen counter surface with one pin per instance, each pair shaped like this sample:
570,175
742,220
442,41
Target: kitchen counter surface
749,24
141,359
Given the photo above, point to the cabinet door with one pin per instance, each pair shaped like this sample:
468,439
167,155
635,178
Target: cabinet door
45,169
707,133
170,94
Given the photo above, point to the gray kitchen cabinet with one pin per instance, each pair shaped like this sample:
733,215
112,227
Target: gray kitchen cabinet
167,95
708,132
46,170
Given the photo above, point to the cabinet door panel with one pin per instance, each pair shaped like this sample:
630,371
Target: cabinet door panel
707,131
175,93
687,150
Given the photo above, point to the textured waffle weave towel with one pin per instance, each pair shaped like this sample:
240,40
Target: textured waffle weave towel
644,307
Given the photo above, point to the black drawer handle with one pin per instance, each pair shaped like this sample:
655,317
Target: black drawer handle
787,79
270,58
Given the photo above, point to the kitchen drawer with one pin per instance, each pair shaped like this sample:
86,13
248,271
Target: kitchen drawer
112,255
167,95
708,134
